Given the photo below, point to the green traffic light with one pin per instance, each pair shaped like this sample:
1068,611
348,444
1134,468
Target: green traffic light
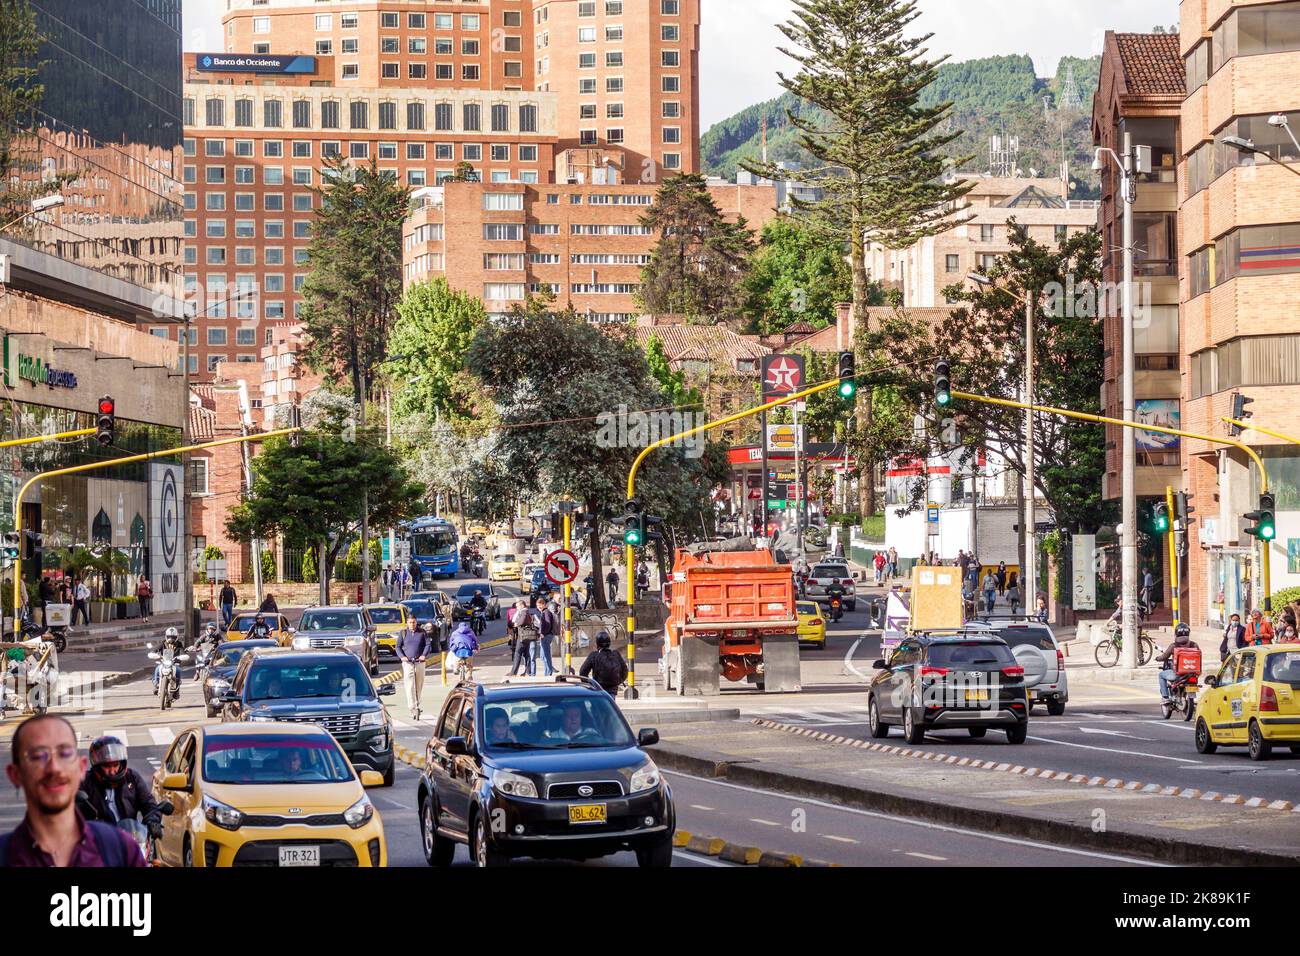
848,388
633,537
943,399
1267,532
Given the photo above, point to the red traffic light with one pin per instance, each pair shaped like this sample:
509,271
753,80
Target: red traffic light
106,406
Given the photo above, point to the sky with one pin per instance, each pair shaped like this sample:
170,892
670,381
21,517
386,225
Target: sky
738,48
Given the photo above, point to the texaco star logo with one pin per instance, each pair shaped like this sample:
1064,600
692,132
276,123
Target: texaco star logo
169,519
783,376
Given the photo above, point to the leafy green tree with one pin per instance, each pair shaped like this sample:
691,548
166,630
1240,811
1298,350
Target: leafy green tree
698,263
21,93
435,325
797,274
672,382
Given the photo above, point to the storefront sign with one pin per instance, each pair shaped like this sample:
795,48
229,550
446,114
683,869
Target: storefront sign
33,368
253,63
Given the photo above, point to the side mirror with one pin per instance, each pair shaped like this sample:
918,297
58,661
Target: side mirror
387,690
879,665
293,630
227,697
456,747
1210,681
372,778
175,781
647,737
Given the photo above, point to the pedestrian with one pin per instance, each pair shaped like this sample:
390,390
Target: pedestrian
1040,609
879,564
227,600
412,576
1013,594
545,622
1148,588
65,594
642,581
589,590
893,562
1259,631
414,645
989,586
44,596
144,594
962,562
1001,575
81,595
47,767
386,577
604,665
268,605
611,581
521,619
1234,637
1288,636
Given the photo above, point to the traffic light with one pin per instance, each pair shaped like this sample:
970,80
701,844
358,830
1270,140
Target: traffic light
557,526
633,524
848,375
106,421
1265,527
942,383
650,525
583,523
1239,403
1160,518
1182,509
10,550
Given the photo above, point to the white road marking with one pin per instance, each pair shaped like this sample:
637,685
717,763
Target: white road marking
927,856
838,839
162,736
941,827
766,823
1111,733
694,858
848,661
699,806
1112,750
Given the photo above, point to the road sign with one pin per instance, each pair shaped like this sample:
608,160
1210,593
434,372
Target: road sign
932,514
562,566
782,375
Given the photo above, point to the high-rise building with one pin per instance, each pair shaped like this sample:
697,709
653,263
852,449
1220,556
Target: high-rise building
1239,221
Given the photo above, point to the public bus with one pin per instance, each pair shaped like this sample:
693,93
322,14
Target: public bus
435,546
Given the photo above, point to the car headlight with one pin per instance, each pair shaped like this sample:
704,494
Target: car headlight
302,643
217,683
646,777
513,784
374,718
264,718
353,641
359,814
224,816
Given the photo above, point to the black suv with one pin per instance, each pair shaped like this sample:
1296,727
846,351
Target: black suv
941,682
348,626
329,688
551,771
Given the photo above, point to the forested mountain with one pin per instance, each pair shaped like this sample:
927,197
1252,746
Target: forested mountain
990,97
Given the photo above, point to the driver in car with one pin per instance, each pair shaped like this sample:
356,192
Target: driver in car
571,727
291,762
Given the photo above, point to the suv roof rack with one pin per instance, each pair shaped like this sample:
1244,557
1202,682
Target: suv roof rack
575,679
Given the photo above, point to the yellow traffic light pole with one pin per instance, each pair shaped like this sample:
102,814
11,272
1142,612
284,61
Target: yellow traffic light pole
631,493
1264,567
95,465
33,439
1173,554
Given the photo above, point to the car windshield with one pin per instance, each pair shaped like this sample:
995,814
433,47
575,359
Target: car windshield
386,615
433,543
830,571
231,654
1283,668
245,624
330,621
505,559
969,652
555,723
467,591
274,759
1038,637
419,608
808,607
284,679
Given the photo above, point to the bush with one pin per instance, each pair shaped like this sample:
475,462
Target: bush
1284,597
268,566
310,575
350,568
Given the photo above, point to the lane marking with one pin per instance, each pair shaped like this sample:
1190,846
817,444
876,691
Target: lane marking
940,827
707,861
837,839
766,823
1112,750
927,856
848,661
698,806
162,736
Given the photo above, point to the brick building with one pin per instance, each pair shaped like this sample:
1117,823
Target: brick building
583,243
1239,224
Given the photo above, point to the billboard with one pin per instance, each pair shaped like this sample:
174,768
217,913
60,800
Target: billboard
167,536
1157,411
253,63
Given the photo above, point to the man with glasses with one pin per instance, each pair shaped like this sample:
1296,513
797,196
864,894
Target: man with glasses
46,765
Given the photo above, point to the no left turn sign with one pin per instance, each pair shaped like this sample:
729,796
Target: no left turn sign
562,567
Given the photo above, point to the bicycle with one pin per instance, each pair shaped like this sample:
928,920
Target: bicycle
1109,651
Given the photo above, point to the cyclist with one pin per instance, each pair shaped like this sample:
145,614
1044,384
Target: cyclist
463,645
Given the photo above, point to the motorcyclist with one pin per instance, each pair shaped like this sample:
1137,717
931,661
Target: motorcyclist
607,667
1182,639
171,641
207,643
260,630
114,791
835,592
463,645
478,602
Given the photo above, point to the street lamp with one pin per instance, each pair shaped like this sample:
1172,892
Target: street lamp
51,201
1241,144
1029,574
1281,121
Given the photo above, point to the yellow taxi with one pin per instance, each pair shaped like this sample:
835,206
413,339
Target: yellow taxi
242,623
812,626
503,567
273,794
526,577
1254,701
390,621
479,530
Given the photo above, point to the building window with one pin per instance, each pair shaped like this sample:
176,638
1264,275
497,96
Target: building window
243,112
388,117
469,72
272,114
670,58
329,114
444,151
301,149
500,153
670,33
215,112
272,148
351,71
472,117
505,232
672,134
390,71
668,8
324,47
469,47
614,135
243,148
359,114
443,71
586,61
414,116
261,24
672,109
417,46
672,160
671,84
415,151
417,71
952,263
528,154
214,147
614,58
587,111
302,114
324,22
389,21
472,152
216,336
500,118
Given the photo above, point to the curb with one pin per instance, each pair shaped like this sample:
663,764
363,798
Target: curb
736,853
1188,793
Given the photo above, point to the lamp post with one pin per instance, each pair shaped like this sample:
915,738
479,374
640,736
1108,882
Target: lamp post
1241,144
36,206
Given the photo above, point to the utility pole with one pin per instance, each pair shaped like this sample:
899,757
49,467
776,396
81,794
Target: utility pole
974,514
1030,568
365,512
187,576
1128,466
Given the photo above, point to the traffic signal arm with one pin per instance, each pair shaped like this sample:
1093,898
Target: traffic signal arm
1238,423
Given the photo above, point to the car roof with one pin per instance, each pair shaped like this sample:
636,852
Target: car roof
338,607
978,636
323,653
505,692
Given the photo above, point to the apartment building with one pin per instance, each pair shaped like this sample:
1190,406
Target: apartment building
923,270
585,244
1239,224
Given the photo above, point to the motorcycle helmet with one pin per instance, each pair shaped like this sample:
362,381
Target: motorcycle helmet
171,634
108,760
210,628
602,639
1181,631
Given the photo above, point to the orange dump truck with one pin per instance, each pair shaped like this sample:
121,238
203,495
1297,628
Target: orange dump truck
731,614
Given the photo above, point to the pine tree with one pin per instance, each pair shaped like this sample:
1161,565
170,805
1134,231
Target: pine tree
883,175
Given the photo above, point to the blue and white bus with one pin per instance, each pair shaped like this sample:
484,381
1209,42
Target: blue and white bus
435,546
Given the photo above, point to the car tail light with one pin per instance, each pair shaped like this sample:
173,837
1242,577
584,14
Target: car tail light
1060,660
1016,671
933,671
847,581
1267,698
816,622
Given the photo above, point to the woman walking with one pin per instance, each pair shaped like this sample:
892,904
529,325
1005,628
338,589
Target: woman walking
1001,575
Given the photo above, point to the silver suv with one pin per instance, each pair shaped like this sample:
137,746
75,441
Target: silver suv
1037,651
821,576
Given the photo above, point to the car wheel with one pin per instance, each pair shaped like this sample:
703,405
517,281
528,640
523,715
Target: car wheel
1056,707
879,729
187,854
390,774
438,850
1018,733
977,732
1204,742
913,733
1295,748
374,665
657,854
483,852
1259,748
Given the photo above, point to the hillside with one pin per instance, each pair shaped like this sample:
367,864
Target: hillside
990,96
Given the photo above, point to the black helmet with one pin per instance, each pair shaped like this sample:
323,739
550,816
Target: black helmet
108,760
602,639
1182,630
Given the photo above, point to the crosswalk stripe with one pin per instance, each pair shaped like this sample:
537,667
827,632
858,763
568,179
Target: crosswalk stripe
162,736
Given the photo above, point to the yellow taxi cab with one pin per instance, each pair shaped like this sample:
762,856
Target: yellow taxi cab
242,623
526,577
1254,701
812,626
390,621
479,530
273,794
503,567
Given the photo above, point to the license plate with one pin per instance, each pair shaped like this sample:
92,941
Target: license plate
588,813
300,856
977,695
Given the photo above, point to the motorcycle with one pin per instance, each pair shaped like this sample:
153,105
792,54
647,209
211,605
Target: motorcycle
169,679
147,842
478,622
476,568
836,609
205,652
1182,696
56,634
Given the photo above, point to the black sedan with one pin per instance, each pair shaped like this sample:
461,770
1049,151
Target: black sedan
222,670
550,771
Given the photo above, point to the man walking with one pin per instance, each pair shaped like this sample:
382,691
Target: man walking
81,605
527,635
413,646
544,620
893,562
990,588
227,599
611,581
144,594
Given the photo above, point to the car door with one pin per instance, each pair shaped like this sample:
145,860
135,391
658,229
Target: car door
179,759
234,710
464,769
1213,705
901,675
441,766
1243,698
